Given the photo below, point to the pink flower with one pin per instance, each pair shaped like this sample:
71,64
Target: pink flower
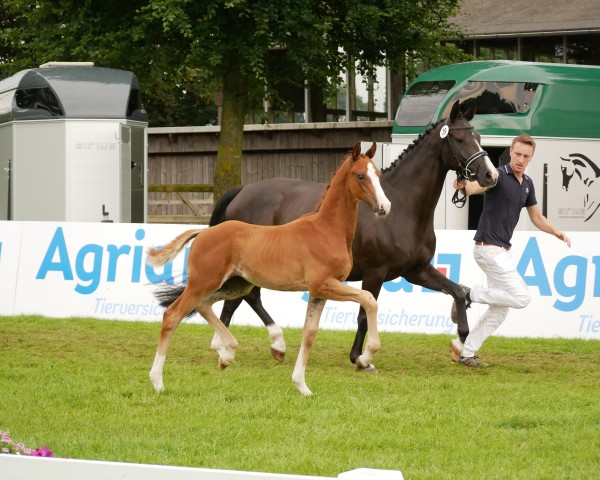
42,452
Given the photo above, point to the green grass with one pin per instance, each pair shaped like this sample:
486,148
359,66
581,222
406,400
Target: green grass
81,387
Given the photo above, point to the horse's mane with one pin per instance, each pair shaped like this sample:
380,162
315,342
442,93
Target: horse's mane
408,149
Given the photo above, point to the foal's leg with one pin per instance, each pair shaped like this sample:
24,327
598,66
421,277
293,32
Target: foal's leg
278,347
228,343
171,320
336,290
309,333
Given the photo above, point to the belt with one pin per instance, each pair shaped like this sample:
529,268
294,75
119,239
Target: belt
480,243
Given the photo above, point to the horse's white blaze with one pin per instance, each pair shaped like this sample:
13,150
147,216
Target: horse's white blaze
382,200
489,165
276,334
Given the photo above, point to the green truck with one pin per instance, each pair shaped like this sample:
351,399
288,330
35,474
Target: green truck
557,104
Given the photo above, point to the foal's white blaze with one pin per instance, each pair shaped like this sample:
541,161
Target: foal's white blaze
382,200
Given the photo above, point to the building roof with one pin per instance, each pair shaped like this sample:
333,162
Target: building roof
490,18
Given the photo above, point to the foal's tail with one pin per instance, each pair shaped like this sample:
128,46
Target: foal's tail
158,257
218,215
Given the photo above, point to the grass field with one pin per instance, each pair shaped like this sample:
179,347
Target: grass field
81,387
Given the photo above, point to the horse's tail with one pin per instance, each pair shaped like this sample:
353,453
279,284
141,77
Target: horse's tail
158,257
218,215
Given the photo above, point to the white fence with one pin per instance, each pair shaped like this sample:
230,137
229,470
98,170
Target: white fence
18,467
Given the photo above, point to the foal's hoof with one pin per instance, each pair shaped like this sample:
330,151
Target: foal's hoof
277,355
223,365
370,368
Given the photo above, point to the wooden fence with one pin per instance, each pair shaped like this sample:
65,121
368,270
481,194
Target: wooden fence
181,160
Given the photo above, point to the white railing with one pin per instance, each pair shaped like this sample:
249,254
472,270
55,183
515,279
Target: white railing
18,467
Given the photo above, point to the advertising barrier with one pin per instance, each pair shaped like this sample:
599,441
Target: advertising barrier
67,269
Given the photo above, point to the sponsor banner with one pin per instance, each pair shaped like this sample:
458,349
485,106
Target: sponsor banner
99,270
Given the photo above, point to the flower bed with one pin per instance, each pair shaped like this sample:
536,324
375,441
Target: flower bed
8,446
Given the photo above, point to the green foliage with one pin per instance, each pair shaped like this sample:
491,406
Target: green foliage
81,387
181,51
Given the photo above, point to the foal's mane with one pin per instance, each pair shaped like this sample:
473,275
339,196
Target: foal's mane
318,206
409,149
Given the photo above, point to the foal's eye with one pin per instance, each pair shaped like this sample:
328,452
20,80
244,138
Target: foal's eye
360,176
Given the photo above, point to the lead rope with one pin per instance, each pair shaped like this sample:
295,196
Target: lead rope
458,200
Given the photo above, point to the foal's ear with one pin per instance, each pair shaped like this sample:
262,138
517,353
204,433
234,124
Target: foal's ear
356,152
371,151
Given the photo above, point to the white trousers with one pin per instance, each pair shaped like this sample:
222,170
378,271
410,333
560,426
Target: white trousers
505,289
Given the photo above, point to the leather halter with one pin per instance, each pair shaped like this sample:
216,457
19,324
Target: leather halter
464,172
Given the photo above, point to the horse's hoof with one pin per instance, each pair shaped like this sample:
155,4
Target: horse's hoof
370,368
277,355
222,364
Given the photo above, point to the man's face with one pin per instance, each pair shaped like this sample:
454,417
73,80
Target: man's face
520,156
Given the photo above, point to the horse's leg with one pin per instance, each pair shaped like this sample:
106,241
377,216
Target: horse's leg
171,320
253,299
335,290
275,332
228,342
229,308
373,285
431,278
309,333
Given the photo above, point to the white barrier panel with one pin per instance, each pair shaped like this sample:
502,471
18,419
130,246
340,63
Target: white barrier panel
17,467
99,270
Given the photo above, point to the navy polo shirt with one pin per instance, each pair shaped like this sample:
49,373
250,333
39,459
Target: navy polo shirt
502,206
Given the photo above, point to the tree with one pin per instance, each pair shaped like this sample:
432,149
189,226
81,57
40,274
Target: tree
229,46
185,51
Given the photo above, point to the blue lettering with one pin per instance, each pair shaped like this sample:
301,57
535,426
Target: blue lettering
136,271
531,255
57,246
113,254
596,262
399,284
576,291
165,276
92,275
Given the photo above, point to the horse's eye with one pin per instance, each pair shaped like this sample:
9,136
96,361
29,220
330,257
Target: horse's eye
360,176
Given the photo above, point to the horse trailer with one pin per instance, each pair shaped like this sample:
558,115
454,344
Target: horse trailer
73,145
557,104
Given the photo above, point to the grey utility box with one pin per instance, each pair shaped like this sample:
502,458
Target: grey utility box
73,145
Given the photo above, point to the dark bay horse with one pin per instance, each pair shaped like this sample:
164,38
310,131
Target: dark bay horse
312,253
403,244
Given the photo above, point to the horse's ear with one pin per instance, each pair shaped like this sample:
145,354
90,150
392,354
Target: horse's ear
454,112
371,151
356,151
470,113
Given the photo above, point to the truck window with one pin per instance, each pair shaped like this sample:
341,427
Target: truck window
494,98
420,101
39,98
